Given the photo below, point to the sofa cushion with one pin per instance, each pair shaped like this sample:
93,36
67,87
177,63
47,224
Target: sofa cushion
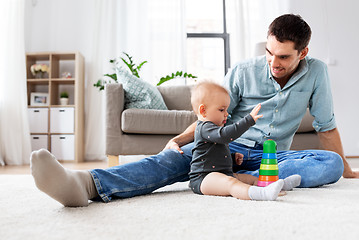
138,93
177,97
149,121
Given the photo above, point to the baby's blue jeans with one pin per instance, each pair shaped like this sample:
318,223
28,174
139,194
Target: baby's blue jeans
316,167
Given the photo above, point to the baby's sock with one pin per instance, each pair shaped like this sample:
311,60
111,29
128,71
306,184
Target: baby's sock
291,182
72,188
268,193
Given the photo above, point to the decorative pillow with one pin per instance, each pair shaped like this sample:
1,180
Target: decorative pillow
138,93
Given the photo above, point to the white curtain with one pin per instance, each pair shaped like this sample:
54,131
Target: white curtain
147,30
15,144
247,24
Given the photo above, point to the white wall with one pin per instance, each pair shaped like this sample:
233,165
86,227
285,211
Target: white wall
59,25
65,25
335,40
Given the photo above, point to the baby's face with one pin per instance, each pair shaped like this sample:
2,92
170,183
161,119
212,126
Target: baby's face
216,110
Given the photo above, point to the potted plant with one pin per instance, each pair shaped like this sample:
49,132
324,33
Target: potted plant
135,71
64,98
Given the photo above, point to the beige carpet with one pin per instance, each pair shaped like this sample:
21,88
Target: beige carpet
174,212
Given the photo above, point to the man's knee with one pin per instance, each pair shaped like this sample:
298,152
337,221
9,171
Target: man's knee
326,169
337,165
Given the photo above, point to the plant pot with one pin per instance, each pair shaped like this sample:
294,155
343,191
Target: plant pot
64,101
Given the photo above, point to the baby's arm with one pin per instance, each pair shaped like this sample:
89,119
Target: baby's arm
228,133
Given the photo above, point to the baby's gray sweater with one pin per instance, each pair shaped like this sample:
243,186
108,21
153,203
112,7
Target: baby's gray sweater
211,152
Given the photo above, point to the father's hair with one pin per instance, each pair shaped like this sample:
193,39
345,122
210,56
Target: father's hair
290,27
202,92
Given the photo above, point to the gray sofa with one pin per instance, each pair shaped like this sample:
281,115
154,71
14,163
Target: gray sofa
146,131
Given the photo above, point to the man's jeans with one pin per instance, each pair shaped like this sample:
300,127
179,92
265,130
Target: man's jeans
316,167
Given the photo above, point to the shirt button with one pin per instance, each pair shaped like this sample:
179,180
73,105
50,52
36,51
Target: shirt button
271,126
276,110
280,93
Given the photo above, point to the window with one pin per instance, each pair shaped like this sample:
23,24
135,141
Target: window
207,39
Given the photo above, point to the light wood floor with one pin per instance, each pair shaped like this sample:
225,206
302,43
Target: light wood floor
25,169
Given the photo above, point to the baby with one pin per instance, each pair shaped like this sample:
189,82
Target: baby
211,166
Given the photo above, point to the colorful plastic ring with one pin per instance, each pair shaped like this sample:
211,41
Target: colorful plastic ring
268,178
269,167
269,161
263,183
268,172
269,155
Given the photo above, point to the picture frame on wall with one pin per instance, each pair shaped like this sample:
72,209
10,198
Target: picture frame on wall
39,99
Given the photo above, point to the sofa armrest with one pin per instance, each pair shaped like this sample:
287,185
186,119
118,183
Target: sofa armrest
115,100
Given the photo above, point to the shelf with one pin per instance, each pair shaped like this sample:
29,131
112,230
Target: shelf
50,120
63,80
46,80
30,106
63,56
63,106
38,57
54,133
38,80
50,106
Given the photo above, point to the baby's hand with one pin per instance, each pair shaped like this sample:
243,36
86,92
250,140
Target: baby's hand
239,158
255,111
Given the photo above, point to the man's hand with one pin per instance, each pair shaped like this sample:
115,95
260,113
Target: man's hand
330,140
180,140
349,173
173,145
254,112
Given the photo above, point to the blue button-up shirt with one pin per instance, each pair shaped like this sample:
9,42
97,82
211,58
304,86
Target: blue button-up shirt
251,82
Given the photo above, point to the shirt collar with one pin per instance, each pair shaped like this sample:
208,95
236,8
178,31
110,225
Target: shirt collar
302,69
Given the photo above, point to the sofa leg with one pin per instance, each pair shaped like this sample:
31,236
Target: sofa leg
113,160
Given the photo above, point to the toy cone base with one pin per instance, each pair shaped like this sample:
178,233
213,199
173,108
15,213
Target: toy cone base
263,183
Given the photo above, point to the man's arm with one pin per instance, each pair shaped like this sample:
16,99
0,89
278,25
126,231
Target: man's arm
330,140
186,137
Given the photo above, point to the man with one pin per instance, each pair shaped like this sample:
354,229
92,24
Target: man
285,82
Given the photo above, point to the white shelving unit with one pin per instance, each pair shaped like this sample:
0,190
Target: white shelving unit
58,128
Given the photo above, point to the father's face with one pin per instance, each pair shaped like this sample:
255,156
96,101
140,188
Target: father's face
282,58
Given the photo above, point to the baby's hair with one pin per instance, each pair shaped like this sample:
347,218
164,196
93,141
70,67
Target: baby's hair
202,93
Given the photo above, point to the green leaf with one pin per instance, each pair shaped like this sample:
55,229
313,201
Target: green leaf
135,73
175,75
113,76
141,64
127,64
100,84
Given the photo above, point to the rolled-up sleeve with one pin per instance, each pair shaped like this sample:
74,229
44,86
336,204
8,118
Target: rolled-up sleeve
321,102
